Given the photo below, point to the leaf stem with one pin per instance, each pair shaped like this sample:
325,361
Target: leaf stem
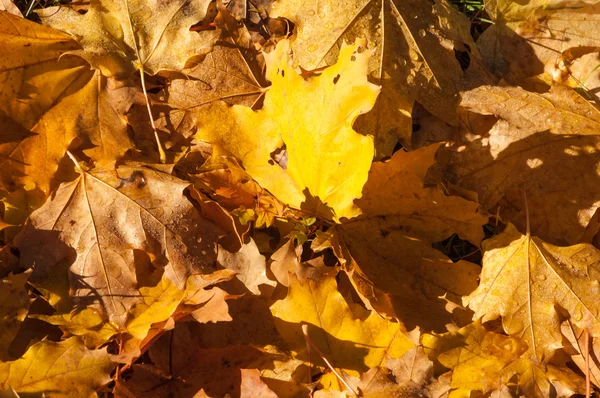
79,169
163,157
526,212
339,376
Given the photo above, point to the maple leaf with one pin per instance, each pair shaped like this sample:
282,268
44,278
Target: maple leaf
234,189
325,156
66,369
531,37
524,279
350,337
400,219
163,301
121,37
250,265
414,369
182,366
101,220
545,144
87,323
407,376
47,102
14,305
485,361
224,74
414,43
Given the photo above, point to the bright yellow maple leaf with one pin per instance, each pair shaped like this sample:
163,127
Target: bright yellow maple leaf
63,369
524,279
481,360
312,118
351,338
88,324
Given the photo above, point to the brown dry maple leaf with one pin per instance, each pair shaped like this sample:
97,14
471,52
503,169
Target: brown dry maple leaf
101,225
545,144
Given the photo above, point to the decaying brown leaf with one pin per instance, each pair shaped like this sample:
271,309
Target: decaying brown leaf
224,74
182,367
229,184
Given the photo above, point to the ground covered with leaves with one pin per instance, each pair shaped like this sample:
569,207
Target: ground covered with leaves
374,198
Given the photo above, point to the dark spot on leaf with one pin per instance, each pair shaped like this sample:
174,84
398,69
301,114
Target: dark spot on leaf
336,78
384,233
353,58
282,73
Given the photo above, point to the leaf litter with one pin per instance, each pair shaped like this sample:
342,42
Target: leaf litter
266,199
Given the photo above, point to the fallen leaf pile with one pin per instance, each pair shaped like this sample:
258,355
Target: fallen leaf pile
373,198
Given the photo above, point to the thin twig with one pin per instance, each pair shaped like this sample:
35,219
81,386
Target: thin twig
586,348
339,376
163,157
308,349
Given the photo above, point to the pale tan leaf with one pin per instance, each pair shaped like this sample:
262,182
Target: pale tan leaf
120,37
250,266
9,6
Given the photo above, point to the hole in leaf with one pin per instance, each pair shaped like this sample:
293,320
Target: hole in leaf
279,156
463,57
